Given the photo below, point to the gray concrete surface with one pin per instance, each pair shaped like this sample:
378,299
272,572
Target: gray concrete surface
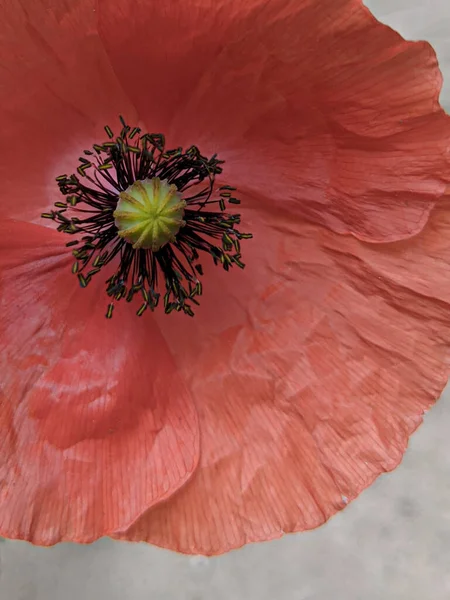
393,543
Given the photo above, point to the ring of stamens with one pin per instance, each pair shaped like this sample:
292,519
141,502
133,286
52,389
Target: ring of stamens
154,210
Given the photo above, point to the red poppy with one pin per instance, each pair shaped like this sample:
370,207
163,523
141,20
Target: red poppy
298,379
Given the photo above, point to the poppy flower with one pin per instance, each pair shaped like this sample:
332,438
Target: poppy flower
153,388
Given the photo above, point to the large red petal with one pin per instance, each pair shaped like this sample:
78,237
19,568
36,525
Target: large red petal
58,91
95,422
310,373
312,102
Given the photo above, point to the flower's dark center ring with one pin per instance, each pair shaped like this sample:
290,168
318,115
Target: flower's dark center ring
132,199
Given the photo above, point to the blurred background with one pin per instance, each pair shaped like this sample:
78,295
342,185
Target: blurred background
392,543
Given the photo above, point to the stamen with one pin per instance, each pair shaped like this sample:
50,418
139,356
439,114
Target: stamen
151,209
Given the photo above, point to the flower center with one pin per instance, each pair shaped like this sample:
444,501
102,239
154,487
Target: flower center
154,212
149,214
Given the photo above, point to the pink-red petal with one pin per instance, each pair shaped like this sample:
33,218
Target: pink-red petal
324,362
96,425
312,103
57,92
